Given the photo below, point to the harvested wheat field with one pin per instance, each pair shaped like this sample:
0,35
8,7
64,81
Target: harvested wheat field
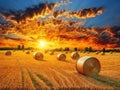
22,71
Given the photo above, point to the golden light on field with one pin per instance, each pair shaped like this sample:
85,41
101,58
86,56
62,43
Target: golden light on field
24,71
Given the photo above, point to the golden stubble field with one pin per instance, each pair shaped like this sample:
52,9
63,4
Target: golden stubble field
22,71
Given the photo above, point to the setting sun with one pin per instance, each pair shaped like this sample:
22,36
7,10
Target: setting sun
42,43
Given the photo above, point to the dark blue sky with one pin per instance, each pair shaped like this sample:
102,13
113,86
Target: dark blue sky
110,17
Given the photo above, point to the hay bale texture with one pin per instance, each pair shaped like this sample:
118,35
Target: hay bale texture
8,53
88,65
75,55
38,56
61,57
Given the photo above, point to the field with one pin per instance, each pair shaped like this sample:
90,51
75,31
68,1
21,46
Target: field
22,71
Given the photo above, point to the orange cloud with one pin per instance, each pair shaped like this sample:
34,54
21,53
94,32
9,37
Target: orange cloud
58,27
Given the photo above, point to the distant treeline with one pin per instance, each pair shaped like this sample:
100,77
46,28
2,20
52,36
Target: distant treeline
10,48
87,49
19,47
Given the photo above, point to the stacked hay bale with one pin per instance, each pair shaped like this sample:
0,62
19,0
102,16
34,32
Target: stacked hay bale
88,65
38,56
8,53
75,55
61,57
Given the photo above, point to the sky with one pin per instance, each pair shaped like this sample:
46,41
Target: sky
69,23
110,17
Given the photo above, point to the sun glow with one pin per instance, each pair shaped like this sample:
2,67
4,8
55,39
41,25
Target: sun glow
47,44
42,43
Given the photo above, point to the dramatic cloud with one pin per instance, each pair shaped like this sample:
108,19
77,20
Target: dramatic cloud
44,9
84,13
36,11
13,36
43,21
68,33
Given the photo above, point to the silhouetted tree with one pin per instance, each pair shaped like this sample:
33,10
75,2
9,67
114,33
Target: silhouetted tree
66,49
103,50
23,47
86,49
60,49
75,49
90,49
19,47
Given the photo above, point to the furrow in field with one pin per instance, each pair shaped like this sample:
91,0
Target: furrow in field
25,77
52,77
28,84
36,78
72,79
45,80
80,80
11,76
108,81
34,81
67,82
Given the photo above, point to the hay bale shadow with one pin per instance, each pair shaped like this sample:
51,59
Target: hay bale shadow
103,79
108,81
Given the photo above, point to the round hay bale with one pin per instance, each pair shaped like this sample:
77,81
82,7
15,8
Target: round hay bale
61,57
66,52
38,56
88,52
75,55
88,65
111,52
102,53
32,50
51,53
46,51
97,52
8,53
13,50
27,52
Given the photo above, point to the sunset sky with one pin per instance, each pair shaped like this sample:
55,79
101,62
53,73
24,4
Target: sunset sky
65,23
